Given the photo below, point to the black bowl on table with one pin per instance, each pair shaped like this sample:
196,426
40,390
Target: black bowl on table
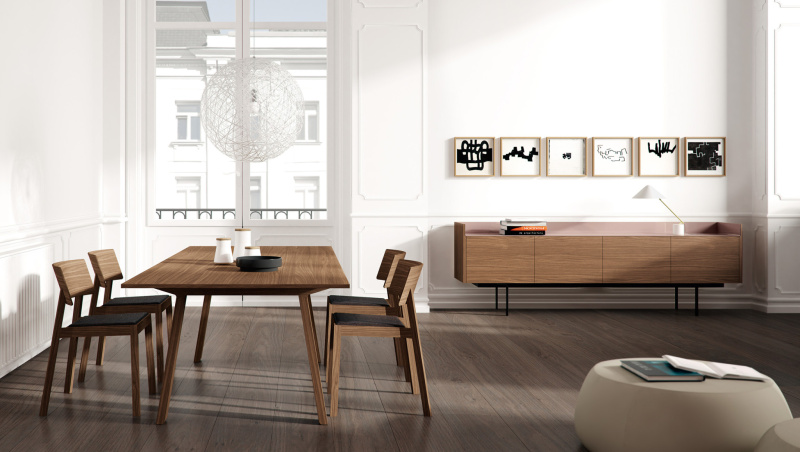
259,263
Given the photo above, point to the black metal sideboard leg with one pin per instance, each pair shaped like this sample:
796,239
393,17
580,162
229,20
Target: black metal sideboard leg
496,289
676,298
506,301
696,301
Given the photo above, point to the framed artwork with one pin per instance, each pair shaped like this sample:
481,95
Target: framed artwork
566,156
705,156
474,156
612,156
520,156
659,156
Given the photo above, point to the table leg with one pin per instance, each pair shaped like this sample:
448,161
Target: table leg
201,335
172,358
313,356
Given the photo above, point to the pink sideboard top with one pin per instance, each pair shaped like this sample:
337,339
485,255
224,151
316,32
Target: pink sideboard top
587,228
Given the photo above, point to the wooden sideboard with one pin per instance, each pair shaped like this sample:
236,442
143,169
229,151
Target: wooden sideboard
600,254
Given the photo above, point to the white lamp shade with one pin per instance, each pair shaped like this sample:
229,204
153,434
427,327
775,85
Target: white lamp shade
648,192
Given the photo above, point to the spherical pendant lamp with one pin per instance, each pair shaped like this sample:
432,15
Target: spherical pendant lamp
252,109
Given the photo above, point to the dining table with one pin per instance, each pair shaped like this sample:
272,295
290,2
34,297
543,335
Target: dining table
192,271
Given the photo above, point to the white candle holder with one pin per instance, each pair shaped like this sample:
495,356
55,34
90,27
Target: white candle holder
241,240
252,251
223,254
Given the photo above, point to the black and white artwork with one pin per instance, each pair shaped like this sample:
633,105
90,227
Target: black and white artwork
612,156
566,156
520,156
474,156
658,156
705,156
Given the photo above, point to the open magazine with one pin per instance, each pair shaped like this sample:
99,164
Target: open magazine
716,370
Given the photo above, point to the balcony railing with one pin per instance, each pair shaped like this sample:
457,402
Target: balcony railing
181,213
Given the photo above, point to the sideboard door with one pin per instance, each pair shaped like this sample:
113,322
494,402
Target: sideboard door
569,260
636,260
705,259
500,259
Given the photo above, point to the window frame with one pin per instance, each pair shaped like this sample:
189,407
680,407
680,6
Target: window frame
242,187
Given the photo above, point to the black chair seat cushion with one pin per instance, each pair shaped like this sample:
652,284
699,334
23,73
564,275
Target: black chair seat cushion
357,301
147,299
110,319
345,319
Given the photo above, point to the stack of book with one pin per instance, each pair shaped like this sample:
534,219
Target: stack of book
523,227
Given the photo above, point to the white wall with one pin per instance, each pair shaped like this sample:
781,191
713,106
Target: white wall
541,68
54,157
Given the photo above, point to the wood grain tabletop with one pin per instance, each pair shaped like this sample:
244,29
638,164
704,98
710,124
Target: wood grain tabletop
304,267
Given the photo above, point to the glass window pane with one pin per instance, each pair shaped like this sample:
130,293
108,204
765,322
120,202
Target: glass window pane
295,183
289,10
181,127
196,128
196,11
190,174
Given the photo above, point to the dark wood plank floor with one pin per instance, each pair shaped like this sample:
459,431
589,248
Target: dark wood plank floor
496,382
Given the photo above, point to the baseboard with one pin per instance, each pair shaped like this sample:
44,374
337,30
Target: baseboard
22,359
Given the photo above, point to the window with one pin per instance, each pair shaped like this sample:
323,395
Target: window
310,130
187,190
188,117
193,39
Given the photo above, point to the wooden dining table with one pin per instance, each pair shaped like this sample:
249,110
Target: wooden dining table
305,270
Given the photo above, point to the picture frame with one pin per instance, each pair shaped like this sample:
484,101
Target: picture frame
704,156
612,156
566,156
473,156
520,156
659,156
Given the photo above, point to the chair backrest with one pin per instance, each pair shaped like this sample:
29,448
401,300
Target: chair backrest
388,265
404,281
73,279
105,265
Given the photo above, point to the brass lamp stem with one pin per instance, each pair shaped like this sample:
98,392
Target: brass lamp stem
665,205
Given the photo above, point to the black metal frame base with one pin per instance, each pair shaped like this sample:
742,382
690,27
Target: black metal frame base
676,286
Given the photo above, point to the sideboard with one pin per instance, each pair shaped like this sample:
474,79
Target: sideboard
621,254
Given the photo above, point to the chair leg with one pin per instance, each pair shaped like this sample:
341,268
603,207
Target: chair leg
328,315
159,347
412,366
48,377
336,358
73,350
169,318
423,381
151,373
404,358
87,342
398,352
137,408
101,350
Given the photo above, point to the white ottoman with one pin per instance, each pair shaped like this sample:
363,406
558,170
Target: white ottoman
619,412
784,437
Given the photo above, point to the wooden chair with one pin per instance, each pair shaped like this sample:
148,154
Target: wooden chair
75,282
403,326
365,305
106,270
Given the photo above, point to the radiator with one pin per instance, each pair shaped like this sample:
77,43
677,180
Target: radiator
27,304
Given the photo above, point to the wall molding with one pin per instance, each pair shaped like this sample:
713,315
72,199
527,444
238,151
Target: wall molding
776,154
777,247
25,231
412,196
360,248
787,3
392,4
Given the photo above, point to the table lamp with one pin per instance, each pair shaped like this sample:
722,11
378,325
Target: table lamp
648,192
